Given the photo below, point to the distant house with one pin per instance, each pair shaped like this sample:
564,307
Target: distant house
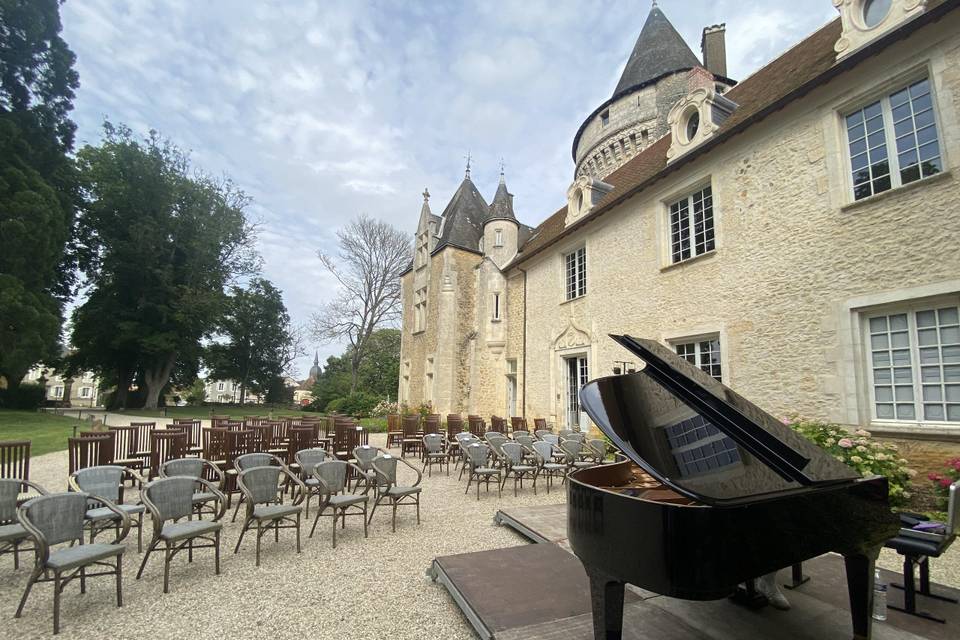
303,394
79,391
228,392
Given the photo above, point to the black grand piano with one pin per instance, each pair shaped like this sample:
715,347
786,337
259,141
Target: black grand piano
713,492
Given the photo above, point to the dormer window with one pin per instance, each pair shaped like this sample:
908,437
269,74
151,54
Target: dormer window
693,125
696,117
874,11
605,118
579,200
864,21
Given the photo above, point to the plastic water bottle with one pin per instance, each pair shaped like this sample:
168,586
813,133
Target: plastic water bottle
879,597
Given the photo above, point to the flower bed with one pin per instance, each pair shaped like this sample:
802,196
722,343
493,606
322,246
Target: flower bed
942,481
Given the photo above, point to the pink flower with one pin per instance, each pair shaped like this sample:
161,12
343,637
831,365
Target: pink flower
846,443
945,483
933,477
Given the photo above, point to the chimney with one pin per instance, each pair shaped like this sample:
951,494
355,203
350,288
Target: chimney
714,47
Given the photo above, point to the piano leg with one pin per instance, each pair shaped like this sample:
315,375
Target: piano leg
606,600
860,571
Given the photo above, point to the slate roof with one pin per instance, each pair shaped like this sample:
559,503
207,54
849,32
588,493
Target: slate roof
659,51
798,71
502,206
462,220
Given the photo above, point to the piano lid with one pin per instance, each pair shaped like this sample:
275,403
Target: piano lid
696,435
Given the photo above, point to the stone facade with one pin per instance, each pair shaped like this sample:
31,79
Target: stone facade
798,269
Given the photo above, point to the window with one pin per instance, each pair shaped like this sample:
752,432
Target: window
84,392
874,11
903,121
704,354
420,310
605,118
692,235
693,125
576,273
496,306
498,238
914,362
219,386
58,392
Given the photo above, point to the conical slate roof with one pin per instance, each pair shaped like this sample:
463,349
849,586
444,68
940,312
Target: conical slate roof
463,218
502,206
659,50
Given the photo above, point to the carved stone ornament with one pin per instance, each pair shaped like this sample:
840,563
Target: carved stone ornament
571,338
857,32
708,107
583,195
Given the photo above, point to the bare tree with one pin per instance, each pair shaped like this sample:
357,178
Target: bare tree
372,256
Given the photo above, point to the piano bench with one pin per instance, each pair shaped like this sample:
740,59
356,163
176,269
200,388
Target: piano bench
917,551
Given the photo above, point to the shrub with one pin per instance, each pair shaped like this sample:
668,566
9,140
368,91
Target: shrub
27,397
942,481
861,452
385,407
423,409
358,404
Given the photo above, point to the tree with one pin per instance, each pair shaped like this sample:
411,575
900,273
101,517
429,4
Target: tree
377,377
161,244
37,183
259,344
372,256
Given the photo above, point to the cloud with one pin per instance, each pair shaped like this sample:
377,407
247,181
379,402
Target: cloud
324,110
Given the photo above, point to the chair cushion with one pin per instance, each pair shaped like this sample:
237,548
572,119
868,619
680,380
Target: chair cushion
523,468
403,491
486,470
103,513
553,466
580,464
12,532
347,499
312,482
82,554
188,529
274,511
205,496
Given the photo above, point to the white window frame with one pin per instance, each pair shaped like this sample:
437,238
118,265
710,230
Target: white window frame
696,343
420,310
84,392
910,309
220,386
498,237
496,306
58,391
890,139
689,200
575,280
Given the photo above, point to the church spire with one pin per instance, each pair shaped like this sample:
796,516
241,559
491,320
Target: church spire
469,158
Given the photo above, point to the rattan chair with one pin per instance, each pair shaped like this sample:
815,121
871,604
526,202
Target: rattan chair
385,467
106,483
250,461
199,469
170,500
575,455
462,440
59,518
496,440
477,456
306,460
546,460
435,451
261,488
599,448
363,457
12,533
512,456
331,478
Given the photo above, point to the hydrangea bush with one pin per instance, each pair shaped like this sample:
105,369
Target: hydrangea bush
859,450
942,481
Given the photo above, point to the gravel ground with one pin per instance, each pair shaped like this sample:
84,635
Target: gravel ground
364,589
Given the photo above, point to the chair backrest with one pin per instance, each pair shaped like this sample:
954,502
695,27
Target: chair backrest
106,452
466,437
477,453
551,438
599,445
85,452
542,432
298,439
182,468
519,432
103,482
393,422
262,483
476,426
310,458
215,443
571,447
143,434
237,443
540,424
166,445
498,424
523,438
386,466
170,498
57,517
579,436
565,433
262,437
193,428
10,489
513,451
544,449
251,460
216,421
124,442
454,425
495,438
410,426
431,424
434,443
364,455
15,459
334,473
518,423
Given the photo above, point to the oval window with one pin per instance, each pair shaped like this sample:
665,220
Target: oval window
874,11
693,125
579,201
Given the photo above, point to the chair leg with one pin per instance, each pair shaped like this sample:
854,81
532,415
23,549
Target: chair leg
394,523
469,480
334,527
140,532
119,581
166,569
26,592
237,510
298,533
56,602
246,525
418,508
216,552
374,509
16,555
83,579
259,535
364,519
143,563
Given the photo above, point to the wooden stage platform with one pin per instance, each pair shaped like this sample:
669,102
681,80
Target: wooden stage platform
540,592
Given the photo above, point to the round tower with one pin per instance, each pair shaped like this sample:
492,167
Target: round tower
501,228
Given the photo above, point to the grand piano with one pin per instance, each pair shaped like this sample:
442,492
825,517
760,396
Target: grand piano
711,492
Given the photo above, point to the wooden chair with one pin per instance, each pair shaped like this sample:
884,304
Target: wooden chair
300,438
454,426
262,440
394,432
85,452
194,434
124,447
498,424
518,423
540,424
215,445
15,459
216,421
476,426
411,440
106,453
143,440
165,444
237,442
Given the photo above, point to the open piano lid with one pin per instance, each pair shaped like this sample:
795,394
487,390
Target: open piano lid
694,434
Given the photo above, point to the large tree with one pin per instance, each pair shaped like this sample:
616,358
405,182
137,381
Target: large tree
37,183
256,341
162,243
372,256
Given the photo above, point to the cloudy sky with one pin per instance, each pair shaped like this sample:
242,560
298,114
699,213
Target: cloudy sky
324,109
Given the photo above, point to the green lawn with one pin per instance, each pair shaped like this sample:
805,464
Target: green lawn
45,432
225,410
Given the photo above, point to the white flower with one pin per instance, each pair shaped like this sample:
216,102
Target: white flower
856,459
